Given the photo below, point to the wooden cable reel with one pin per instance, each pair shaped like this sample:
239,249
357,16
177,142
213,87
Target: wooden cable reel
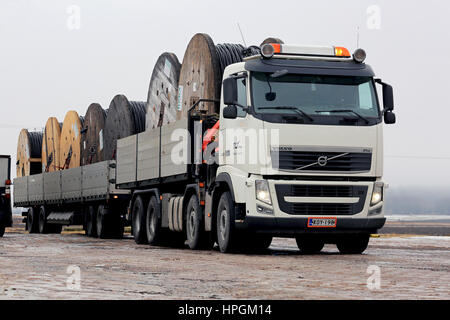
51,146
70,143
199,76
29,148
163,91
92,138
125,118
202,70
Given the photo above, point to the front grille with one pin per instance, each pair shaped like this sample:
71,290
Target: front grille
331,161
321,191
315,209
317,191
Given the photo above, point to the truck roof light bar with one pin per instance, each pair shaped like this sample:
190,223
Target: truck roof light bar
341,52
270,49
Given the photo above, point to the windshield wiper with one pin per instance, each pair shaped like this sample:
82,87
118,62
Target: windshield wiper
298,110
346,111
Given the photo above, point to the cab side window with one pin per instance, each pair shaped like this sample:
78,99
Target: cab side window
242,97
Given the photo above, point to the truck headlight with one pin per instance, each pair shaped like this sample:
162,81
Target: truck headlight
262,191
377,194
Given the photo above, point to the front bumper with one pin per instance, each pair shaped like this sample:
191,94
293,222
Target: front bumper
299,226
349,202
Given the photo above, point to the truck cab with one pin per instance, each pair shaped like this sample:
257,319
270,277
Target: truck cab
301,147
5,196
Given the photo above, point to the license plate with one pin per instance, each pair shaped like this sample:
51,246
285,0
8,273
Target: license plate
322,222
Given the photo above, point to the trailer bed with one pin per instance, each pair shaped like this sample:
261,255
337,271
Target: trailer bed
92,182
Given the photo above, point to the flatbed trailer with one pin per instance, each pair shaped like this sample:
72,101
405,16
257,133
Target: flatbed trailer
72,197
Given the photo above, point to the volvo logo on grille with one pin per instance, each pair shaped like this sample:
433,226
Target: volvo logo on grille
322,161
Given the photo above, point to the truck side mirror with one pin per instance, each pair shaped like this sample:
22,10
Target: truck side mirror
389,117
230,91
388,97
230,112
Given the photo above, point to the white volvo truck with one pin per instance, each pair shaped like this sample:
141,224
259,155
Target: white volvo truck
297,151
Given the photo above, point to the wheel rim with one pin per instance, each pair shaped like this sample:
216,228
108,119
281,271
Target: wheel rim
89,223
99,222
192,223
30,221
41,221
223,224
152,225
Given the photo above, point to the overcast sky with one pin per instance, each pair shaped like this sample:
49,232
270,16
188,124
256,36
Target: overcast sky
49,63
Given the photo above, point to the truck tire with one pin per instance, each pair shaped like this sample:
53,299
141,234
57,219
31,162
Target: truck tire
138,221
108,224
197,238
101,222
91,219
153,223
32,221
2,230
353,245
44,227
226,233
309,246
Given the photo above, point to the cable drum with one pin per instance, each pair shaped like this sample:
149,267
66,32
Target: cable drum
70,143
92,141
124,118
29,148
51,145
202,70
163,91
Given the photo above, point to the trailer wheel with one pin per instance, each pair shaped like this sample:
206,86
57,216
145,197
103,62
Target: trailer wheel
2,231
197,238
32,221
101,222
91,218
138,221
153,223
226,234
353,245
309,246
44,227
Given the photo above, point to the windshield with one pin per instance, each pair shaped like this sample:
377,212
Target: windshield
331,96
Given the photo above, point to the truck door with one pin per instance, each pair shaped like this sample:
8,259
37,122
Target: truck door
241,135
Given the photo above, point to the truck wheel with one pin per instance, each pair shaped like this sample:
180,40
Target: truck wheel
44,227
197,238
32,221
2,231
138,221
91,218
353,245
153,223
308,246
226,234
101,222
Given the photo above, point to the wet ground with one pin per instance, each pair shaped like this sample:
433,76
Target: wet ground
72,266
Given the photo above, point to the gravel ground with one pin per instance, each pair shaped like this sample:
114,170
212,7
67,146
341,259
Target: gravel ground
47,267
